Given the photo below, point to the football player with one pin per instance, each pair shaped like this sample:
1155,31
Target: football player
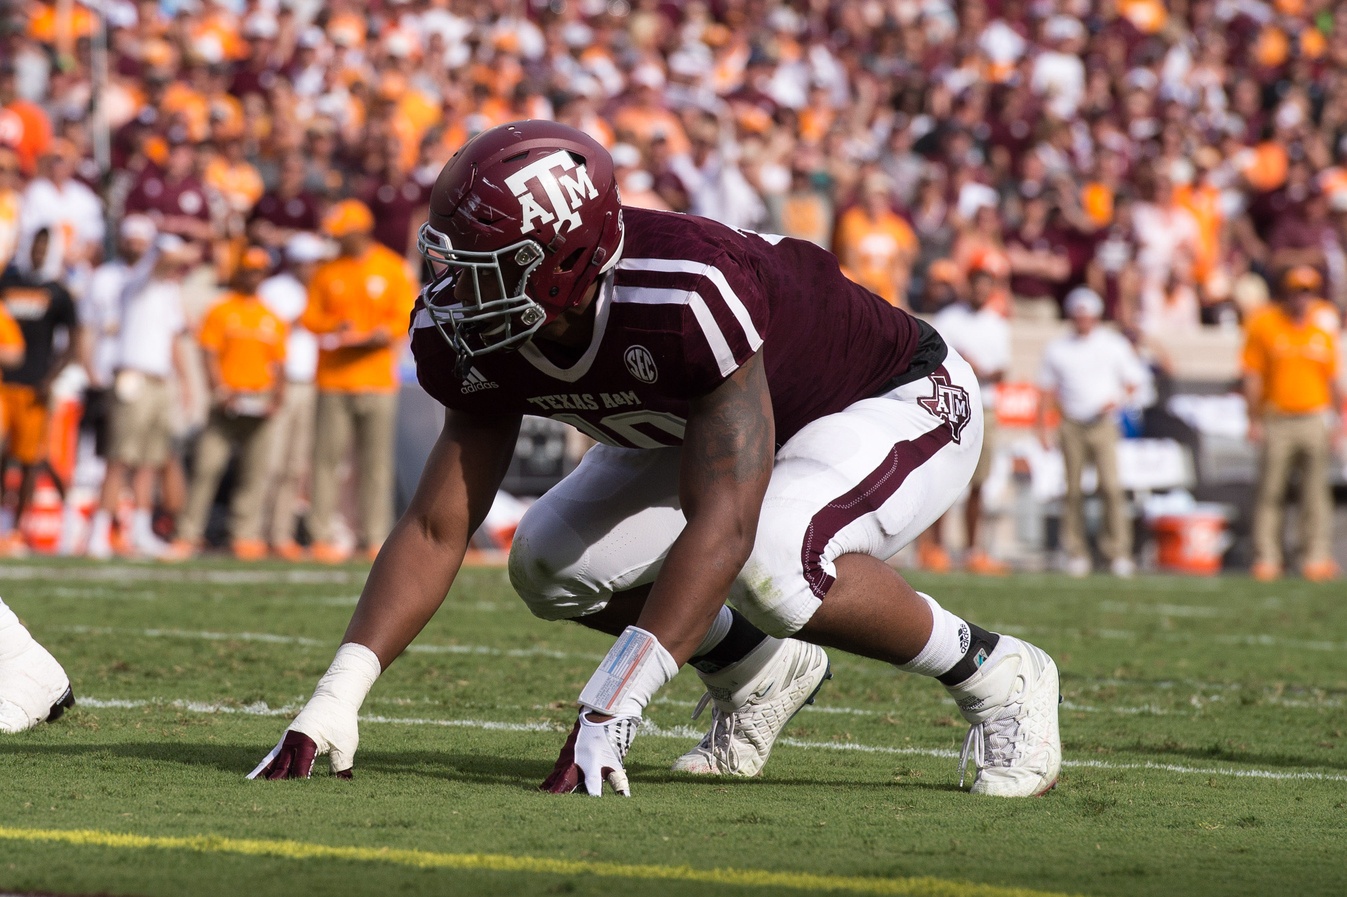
770,433
33,686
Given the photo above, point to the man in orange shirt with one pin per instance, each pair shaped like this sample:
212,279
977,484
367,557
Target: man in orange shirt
243,344
359,304
11,353
875,245
1290,363
24,126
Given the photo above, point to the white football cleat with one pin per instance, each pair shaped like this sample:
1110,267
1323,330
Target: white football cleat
1011,702
747,717
33,686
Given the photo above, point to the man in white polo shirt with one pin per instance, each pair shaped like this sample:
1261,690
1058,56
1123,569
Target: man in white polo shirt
1088,375
982,336
287,294
148,360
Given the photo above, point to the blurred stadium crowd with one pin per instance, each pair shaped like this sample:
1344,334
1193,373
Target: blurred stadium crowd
1174,157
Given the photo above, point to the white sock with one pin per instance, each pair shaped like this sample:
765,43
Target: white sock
71,520
100,528
142,526
947,645
719,627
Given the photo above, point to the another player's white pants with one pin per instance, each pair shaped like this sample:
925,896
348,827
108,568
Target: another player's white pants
866,480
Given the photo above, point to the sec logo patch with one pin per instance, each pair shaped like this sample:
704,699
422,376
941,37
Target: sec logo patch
641,364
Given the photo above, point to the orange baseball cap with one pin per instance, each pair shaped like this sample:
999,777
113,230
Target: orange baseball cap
350,216
1302,277
255,258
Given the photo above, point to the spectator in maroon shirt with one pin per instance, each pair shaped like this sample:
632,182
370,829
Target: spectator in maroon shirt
1304,235
668,183
286,209
397,199
1112,270
174,197
1039,262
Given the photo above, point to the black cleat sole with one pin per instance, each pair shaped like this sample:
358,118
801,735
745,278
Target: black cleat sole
60,707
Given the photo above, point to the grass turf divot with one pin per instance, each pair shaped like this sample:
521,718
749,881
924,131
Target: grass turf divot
924,886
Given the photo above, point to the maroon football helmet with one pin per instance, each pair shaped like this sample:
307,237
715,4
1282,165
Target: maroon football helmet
523,219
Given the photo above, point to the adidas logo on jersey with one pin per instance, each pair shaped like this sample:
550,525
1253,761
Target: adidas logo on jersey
475,382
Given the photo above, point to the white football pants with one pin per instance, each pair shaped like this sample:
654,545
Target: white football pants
866,480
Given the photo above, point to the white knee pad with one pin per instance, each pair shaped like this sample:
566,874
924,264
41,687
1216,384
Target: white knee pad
773,596
547,564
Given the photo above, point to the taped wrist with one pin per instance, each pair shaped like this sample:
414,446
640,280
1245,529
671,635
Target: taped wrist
351,675
636,667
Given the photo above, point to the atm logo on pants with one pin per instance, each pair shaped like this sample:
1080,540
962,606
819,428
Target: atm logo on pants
949,403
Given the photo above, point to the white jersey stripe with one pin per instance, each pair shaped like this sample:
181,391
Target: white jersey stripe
715,338
711,273
652,295
711,330
736,306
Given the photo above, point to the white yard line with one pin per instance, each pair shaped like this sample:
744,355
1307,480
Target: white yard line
196,635
685,732
270,638
1162,610
1144,710
1200,687
129,573
1183,638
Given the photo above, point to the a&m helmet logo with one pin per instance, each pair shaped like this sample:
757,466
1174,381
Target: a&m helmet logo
949,403
565,186
641,364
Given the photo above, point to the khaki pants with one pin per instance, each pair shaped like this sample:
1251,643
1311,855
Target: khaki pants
141,420
222,434
1293,440
370,417
1097,442
291,458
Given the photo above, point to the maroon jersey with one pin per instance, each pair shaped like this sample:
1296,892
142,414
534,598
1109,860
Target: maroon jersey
152,194
299,212
393,208
690,301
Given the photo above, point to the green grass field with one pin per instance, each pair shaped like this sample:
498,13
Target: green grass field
1203,733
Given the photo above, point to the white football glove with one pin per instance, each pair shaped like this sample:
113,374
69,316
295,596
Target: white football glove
327,724
593,754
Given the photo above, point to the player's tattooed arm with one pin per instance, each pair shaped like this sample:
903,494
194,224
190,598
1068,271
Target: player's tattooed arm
728,449
733,434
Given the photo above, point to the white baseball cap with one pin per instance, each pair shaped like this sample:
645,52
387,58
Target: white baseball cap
625,155
1084,301
306,247
137,227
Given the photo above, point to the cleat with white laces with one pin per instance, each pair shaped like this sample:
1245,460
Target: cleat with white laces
747,716
1011,702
